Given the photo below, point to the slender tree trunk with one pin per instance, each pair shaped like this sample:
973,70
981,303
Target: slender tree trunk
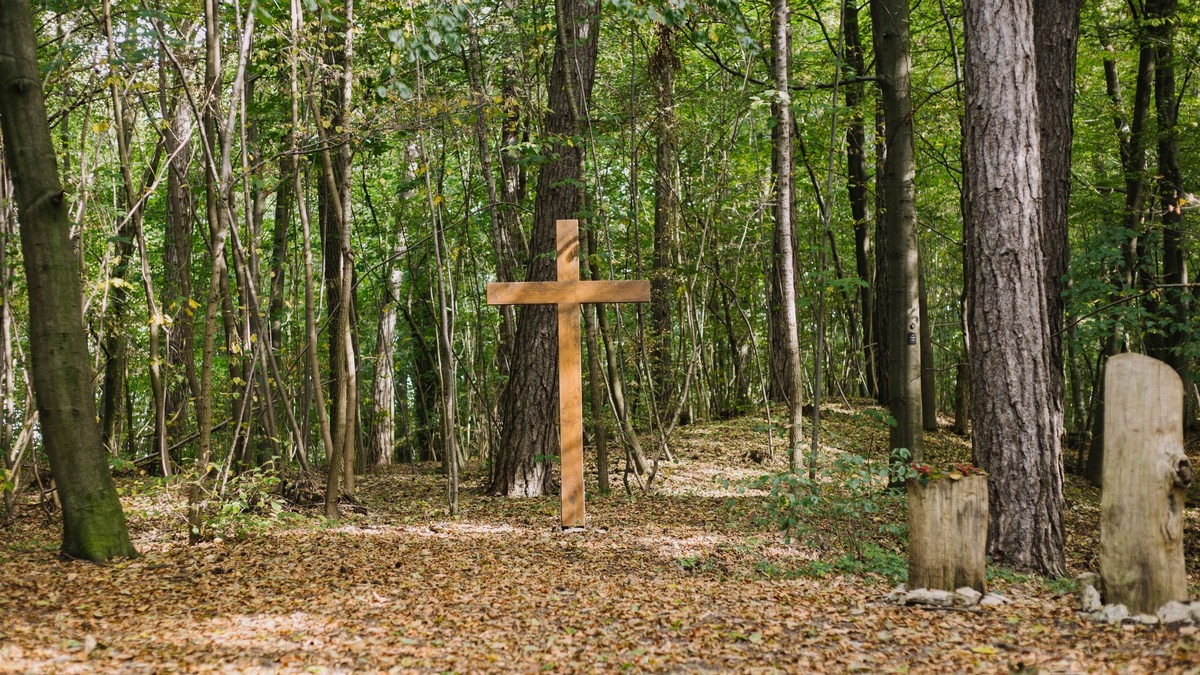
662,66
93,522
929,421
1132,140
527,405
595,372
1017,427
858,189
501,214
890,31
1175,311
780,44
177,256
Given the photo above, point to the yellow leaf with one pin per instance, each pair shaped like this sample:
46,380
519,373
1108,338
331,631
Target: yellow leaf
984,649
437,200
193,304
954,475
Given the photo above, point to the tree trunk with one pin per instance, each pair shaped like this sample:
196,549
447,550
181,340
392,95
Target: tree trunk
1175,310
858,187
1131,137
889,21
784,234
662,66
1016,425
528,404
929,420
500,215
1056,35
177,257
93,522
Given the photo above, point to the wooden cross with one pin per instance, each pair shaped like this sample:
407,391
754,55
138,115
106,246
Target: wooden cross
568,292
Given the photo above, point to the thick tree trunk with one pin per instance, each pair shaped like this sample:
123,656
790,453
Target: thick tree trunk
890,25
1056,35
1016,424
93,522
528,404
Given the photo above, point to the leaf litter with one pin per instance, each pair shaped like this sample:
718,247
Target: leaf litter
688,579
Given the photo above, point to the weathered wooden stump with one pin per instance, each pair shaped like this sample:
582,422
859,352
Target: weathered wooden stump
1146,477
947,533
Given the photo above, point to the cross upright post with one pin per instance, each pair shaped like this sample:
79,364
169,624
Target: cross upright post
568,292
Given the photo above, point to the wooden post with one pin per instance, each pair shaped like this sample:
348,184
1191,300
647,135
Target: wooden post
1146,476
947,533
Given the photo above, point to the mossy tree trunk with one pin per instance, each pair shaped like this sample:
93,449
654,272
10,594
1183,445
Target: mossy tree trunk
93,522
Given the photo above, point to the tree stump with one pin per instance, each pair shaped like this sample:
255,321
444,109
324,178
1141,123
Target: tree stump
1146,477
947,533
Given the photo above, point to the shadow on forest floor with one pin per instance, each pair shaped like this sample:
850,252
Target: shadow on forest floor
692,578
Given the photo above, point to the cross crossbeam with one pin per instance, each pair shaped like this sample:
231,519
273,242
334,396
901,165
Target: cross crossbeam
568,292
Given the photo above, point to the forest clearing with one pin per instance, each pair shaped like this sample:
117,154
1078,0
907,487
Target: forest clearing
687,579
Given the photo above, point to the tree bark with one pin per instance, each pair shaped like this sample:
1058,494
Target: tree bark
784,233
1132,141
528,404
662,66
93,522
929,420
1175,309
858,187
177,257
1056,35
890,25
1016,426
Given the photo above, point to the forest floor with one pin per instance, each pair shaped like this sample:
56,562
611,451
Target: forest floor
692,578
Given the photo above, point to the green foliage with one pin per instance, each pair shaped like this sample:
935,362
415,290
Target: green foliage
871,559
842,507
251,503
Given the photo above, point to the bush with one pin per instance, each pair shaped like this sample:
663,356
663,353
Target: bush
842,506
251,502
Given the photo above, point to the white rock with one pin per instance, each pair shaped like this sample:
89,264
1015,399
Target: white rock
967,596
1089,599
935,598
1175,613
898,593
1195,607
1146,619
1114,613
993,600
